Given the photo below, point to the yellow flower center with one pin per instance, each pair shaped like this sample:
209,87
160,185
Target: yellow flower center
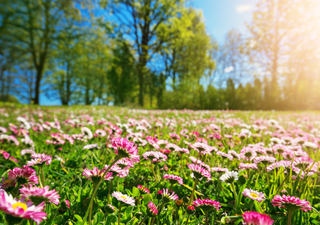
21,205
38,160
254,195
124,197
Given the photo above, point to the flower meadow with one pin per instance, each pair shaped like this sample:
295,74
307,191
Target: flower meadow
107,165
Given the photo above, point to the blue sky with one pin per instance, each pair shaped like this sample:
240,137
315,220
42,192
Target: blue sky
220,16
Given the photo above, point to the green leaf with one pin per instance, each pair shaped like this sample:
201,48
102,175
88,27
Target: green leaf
78,217
147,198
135,192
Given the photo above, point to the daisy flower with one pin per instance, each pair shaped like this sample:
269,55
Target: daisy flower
225,155
248,166
5,154
199,171
173,179
291,203
234,154
264,159
207,205
255,218
86,132
154,156
100,133
90,147
124,148
24,123
172,147
23,175
124,163
199,147
123,198
21,210
310,145
27,152
143,189
229,177
191,210
162,143
278,148
96,174
303,162
38,195
199,162
168,196
152,210
174,137
248,153
182,150
40,159
254,195
219,170
285,165
109,208
118,171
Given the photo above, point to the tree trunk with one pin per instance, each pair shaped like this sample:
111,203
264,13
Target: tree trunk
141,85
37,88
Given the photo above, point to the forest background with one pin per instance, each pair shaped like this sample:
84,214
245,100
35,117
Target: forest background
158,54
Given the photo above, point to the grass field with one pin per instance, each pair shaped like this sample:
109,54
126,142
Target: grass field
107,165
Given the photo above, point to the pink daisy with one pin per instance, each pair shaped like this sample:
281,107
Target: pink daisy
152,209
225,155
199,171
168,196
199,147
20,209
40,159
303,162
27,152
207,204
264,159
254,195
96,174
248,166
23,175
255,218
219,170
38,195
143,189
248,153
291,203
123,198
125,149
173,179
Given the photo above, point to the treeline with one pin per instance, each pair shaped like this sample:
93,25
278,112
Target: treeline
158,54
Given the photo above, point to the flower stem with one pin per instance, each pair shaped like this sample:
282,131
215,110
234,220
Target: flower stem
267,175
206,217
96,189
42,176
235,195
142,220
187,219
110,185
54,215
194,187
289,217
119,214
152,166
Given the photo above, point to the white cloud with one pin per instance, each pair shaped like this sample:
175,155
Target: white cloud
244,8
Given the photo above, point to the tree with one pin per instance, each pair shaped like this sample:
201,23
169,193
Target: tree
139,21
35,25
121,75
278,27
